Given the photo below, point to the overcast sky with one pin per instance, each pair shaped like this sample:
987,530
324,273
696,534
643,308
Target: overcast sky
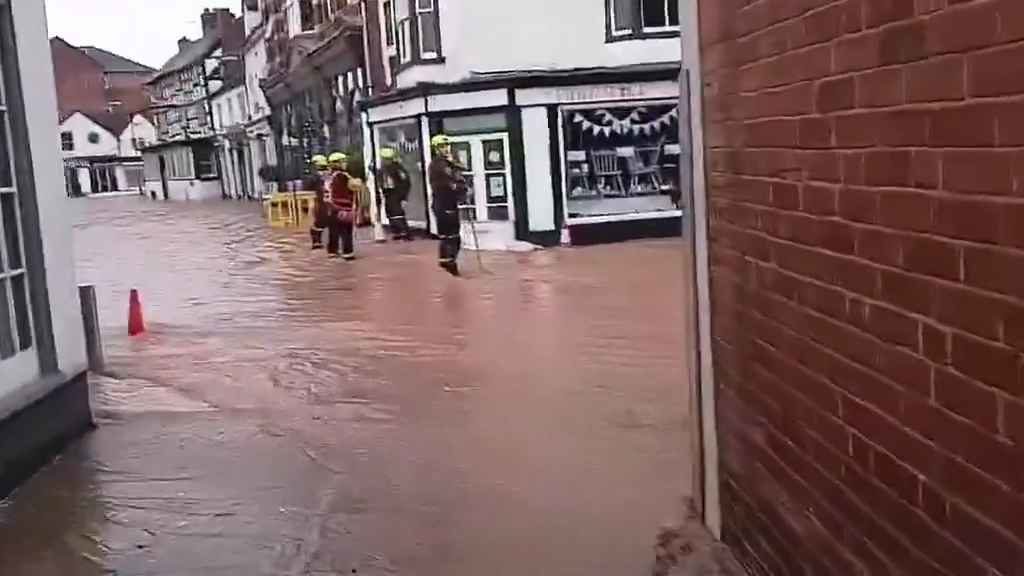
146,31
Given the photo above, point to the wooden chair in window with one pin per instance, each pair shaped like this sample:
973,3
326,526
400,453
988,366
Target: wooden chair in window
579,175
645,164
606,168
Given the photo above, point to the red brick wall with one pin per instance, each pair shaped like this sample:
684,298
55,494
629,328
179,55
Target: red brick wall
866,189
78,78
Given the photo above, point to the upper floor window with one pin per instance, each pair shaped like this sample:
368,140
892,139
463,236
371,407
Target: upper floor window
307,15
389,23
629,19
429,31
67,141
417,30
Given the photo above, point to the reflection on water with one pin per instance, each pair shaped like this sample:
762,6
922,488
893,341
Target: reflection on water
527,419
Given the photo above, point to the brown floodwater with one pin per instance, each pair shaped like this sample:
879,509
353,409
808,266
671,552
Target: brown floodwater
286,414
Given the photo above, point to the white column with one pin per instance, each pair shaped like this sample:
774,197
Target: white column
370,161
537,150
84,181
121,175
425,135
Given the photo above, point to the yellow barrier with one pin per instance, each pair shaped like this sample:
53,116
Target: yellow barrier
298,209
290,209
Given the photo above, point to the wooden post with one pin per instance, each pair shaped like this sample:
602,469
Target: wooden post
91,323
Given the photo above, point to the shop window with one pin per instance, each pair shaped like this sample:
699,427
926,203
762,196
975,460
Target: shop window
404,137
632,19
67,141
621,159
206,161
178,162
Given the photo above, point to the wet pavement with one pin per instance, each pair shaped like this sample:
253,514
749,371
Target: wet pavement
289,415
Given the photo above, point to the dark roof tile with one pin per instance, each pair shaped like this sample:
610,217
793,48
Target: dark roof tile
114,63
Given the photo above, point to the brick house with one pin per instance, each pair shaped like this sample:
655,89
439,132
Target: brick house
101,104
79,79
865,281
90,79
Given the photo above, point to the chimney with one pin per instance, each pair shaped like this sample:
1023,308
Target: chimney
183,43
209,19
216,19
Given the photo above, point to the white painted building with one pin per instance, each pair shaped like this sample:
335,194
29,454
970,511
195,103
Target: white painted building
561,134
259,135
44,393
230,116
103,151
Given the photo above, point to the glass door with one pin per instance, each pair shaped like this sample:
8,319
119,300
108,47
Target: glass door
484,160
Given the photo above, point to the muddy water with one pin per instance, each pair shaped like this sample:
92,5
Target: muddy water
378,417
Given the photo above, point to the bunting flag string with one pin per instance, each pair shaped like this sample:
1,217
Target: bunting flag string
603,122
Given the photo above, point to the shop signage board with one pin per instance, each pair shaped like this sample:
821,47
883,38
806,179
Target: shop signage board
597,93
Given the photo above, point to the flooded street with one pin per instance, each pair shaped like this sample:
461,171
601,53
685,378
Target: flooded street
286,414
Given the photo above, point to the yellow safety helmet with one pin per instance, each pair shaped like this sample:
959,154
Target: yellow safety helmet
319,161
337,159
440,141
388,154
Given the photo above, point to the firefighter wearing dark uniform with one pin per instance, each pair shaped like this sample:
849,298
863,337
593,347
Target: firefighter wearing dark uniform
449,188
342,204
316,183
395,184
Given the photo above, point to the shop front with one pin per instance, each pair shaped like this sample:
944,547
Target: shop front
404,136
480,125
580,157
620,159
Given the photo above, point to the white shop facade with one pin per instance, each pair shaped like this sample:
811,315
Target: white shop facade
582,156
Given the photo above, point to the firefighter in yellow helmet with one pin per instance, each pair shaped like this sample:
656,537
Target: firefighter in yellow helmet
395,183
342,203
449,191
316,182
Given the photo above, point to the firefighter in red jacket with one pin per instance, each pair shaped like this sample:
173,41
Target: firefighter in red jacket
342,203
316,182
449,189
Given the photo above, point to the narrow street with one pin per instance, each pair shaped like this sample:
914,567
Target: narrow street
286,414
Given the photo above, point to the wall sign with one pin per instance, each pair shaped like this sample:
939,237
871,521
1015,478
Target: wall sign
597,93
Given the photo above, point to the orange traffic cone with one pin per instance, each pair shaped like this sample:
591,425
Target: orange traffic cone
136,325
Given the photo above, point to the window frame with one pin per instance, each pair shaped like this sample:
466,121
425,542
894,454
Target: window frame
23,190
390,34
198,163
67,141
408,41
638,31
421,52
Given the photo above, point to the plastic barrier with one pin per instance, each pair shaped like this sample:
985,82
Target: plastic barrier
290,209
298,209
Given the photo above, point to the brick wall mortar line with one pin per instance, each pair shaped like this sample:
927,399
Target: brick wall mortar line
935,279
885,414
893,532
